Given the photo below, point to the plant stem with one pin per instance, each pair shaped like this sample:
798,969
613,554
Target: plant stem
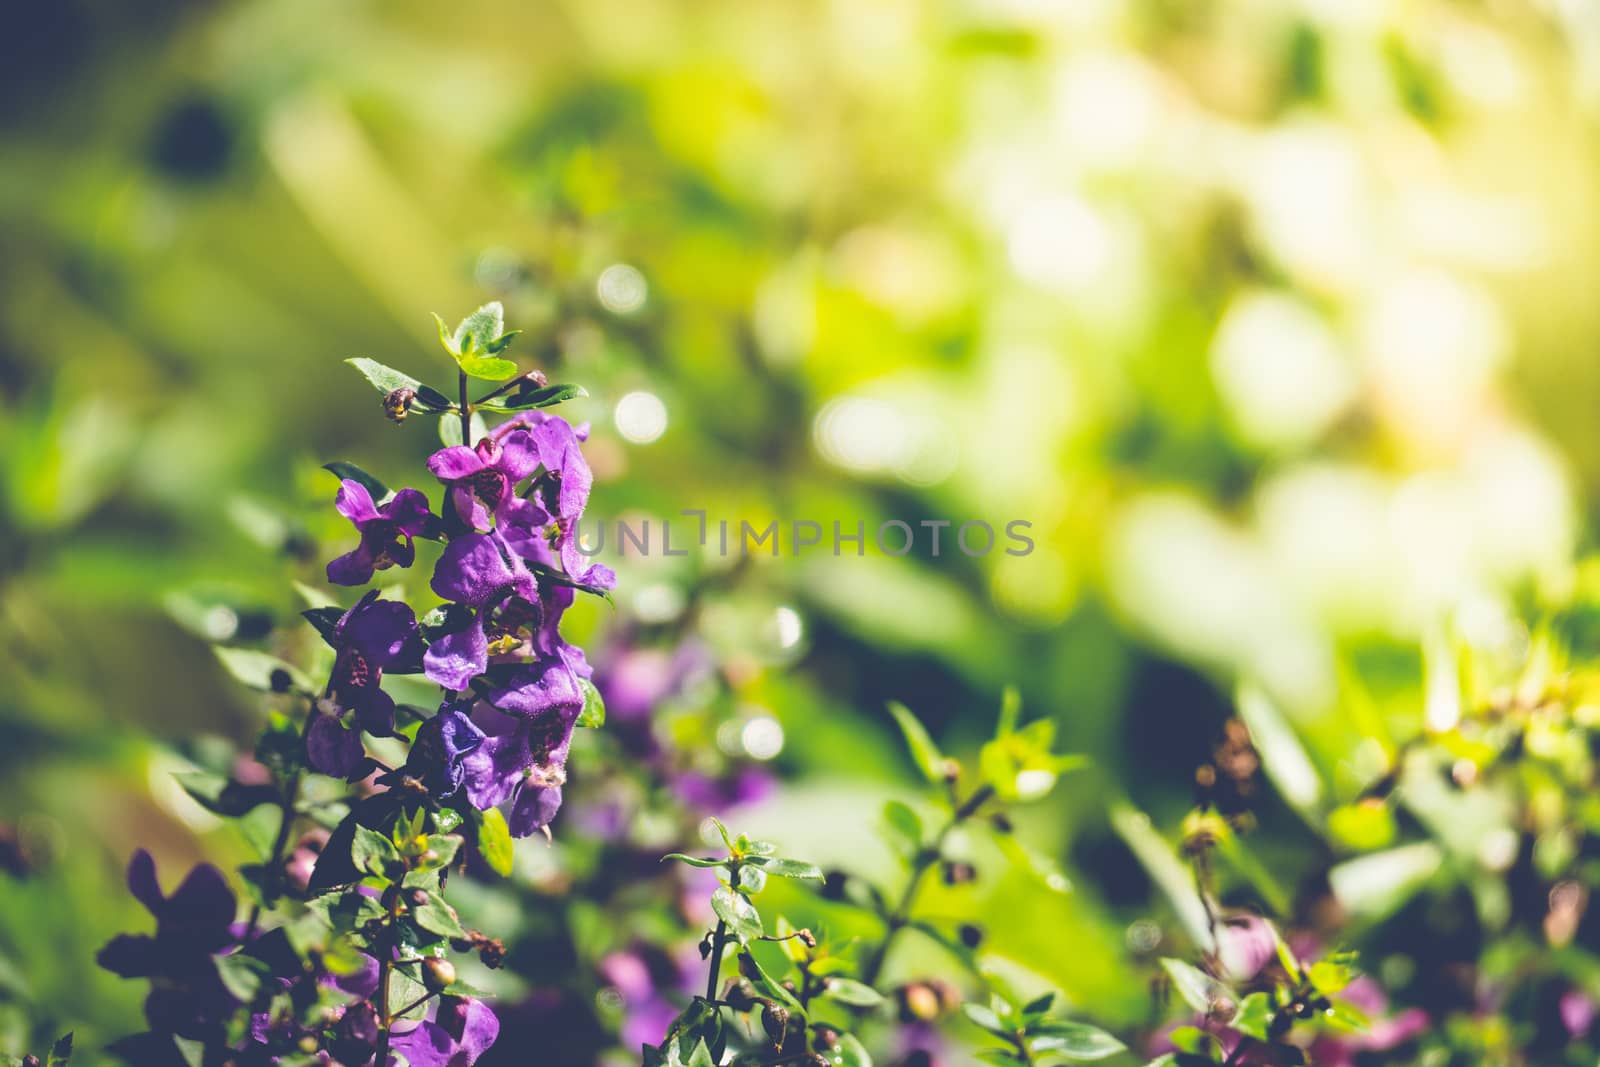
925,860
719,940
279,843
385,968
466,420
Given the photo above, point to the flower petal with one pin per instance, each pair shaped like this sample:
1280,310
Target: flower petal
454,463
455,659
354,502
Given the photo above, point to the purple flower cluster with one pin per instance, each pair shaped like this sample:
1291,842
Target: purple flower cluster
515,687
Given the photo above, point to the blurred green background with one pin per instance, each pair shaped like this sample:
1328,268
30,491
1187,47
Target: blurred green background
1275,319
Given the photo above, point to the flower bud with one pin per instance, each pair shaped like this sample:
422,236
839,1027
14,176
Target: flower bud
919,1003
825,1038
956,872
397,405
971,934
438,974
775,1020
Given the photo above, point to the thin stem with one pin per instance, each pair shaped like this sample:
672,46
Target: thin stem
385,969
275,861
466,415
414,1005
719,940
925,861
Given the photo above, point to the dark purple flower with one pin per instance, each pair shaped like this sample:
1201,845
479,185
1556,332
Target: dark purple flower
386,531
522,762
461,1030
481,480
442,743
478,573
192,926
372,637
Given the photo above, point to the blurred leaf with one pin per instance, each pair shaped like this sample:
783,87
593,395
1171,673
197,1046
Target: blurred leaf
1374,886
1075,1041
495,844
1199,990
849,991
261,670
929,760
526,396
1255,1016
594,706
1283,759
349,471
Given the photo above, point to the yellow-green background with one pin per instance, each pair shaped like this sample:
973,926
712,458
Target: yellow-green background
1276,319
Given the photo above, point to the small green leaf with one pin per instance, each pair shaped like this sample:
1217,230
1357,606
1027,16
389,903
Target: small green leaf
850,1052
526,396
263,671
736,910
1075,1041
437,917
693,861
488,368
60,1052
985,1018
372,852
1255,1016
384,379
727,838
1199,990
784,868
494,842
849,991
594,705
480,329
240,974
905,827
1010,711
350,471
930,761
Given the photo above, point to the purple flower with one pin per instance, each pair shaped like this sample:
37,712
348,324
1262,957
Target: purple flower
478,573
481,480
372,637
442,743
522,762
386,532
461,1030
192,926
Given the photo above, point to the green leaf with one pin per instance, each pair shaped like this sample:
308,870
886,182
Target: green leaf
241,975
784,868
262,670
851,992
60,1052
594,705
1010,711
526,396
1075,1041
905,827
1255,1016
488,368
736,910
1332,974
343,471
501,343
850,1052
930,761
985,1018
223,797
494,842
753,972
372,852
727,838
1000,1057
384,379
1366,826
693,861
480,329
1199,990
437,917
